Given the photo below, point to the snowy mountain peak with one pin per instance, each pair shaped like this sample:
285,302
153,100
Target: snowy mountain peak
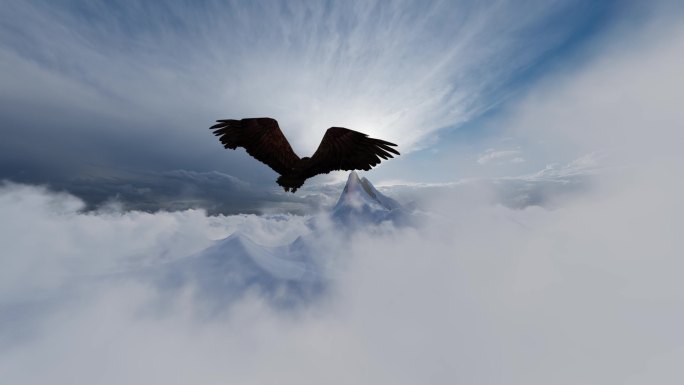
359,192
361,202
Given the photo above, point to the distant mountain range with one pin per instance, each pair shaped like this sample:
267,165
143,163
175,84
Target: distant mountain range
285,274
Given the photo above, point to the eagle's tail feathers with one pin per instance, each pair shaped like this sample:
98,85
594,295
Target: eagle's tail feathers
290,183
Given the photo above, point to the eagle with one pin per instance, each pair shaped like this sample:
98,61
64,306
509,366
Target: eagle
340,149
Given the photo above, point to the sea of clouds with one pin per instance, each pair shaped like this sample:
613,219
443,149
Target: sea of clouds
587,292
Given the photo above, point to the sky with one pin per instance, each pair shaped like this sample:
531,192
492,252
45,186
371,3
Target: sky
112,100
541,140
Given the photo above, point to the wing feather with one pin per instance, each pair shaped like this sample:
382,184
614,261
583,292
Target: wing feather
345,149
262,139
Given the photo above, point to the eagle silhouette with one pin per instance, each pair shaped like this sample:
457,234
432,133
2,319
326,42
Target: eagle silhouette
340,149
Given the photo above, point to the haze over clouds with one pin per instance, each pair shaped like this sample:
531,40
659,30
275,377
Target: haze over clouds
589,292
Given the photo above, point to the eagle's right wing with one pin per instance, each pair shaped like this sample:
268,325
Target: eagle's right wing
262,139
345,149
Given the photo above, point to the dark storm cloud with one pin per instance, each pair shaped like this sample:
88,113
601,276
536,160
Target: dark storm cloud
214,191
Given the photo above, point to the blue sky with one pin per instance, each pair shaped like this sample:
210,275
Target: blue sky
125,90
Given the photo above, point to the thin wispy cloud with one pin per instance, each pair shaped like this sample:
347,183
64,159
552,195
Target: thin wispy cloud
500,155
395,69
100,96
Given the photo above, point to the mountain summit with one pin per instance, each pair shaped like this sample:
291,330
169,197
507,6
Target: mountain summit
360,191
361,202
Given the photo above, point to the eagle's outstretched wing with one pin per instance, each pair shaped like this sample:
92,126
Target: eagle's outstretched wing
344,149
262,139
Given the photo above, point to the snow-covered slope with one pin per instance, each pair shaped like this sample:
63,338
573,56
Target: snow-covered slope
360,191
226,270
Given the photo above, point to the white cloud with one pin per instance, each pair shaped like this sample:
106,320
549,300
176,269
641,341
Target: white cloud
501,155
46,239
585,293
